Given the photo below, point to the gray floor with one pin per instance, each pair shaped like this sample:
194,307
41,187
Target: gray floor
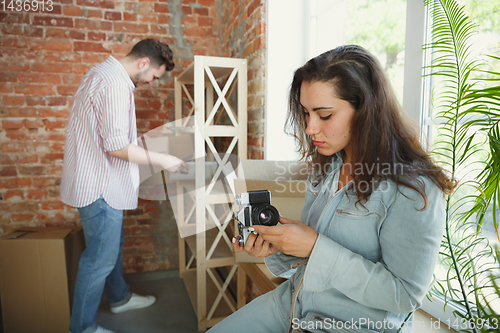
172,311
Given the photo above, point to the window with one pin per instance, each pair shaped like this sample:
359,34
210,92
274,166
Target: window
310,28
393,30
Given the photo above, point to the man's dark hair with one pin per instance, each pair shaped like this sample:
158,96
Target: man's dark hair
158,53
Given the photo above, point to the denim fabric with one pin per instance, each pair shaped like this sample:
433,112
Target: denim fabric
371,265
100,267
269,313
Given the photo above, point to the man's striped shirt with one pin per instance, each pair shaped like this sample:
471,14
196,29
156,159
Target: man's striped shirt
102,119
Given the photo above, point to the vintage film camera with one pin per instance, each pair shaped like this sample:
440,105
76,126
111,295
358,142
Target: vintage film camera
255,209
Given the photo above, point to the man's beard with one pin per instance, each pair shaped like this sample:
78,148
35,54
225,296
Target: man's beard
138,79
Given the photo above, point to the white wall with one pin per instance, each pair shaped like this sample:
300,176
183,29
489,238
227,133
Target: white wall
297,30
284,55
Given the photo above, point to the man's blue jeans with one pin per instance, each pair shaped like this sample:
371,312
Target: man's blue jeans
100,267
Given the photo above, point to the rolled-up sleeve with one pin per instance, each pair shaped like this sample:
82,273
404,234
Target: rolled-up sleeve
409,240
114,126
280,263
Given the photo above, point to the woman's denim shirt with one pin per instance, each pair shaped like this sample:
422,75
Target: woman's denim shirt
371,264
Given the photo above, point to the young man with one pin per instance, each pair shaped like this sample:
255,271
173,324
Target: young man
101,176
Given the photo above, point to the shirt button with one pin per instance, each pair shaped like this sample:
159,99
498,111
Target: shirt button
339,211
315,194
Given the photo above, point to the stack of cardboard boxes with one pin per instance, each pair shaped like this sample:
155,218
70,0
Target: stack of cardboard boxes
38,268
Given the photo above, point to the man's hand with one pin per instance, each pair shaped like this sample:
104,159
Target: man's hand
291,237
172,163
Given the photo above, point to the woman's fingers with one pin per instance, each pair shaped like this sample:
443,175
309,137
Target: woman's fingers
236,246
258,244
249,245
255,246
292,237
263,230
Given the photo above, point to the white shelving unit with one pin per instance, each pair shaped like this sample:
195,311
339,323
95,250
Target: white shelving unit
219,107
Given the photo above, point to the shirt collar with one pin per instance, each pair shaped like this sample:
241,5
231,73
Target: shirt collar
337,160
122,70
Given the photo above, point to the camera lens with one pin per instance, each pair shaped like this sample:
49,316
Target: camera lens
265,215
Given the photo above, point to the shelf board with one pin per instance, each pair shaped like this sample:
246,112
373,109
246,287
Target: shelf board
221,131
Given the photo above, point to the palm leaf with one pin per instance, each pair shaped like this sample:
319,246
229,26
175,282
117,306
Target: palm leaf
465,111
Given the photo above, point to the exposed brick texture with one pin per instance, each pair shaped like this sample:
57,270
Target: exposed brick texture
44,55
243,36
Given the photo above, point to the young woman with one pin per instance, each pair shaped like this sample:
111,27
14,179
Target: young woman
371,227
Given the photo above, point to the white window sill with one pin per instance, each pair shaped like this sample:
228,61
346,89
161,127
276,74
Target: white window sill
425,323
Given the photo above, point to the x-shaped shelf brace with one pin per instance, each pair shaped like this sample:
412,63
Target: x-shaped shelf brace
220,165
191,101
220,162
221,228
221,96
222,291
193,207
229,95
187,218
190,98
190,261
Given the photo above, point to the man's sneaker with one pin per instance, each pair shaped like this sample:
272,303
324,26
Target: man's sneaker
135,302
102,330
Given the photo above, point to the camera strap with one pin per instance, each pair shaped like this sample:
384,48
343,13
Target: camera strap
298,263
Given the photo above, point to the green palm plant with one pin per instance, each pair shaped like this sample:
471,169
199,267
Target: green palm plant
467,108
491,317
490,322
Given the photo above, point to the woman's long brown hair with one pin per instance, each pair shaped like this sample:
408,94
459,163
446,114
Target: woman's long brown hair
384,144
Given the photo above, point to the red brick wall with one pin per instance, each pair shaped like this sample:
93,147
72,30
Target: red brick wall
43,56
243,36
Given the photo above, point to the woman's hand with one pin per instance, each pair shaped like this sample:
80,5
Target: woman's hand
255,246
291,237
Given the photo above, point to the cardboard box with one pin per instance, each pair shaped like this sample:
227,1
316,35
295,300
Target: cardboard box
38,268
181,146
287,182
153,177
